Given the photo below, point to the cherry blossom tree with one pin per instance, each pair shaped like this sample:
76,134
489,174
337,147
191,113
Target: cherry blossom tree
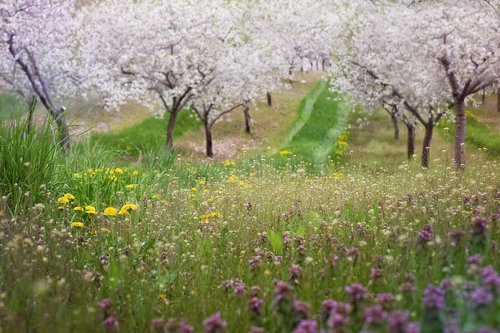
419,56
301,31
147,51
37,55
236,77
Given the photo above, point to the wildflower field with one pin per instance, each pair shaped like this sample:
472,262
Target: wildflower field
92,241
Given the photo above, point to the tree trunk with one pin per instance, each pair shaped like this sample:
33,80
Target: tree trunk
269,99
395,122
483,97
31,110
498,100
248,126
460,124
209,143
410,143
426,148
63,130
170,130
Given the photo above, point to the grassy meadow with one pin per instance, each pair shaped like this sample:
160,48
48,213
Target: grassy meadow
316,225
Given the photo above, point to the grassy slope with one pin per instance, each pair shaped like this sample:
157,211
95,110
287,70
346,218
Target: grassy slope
374,146
487,112
319,124
270,126
146,136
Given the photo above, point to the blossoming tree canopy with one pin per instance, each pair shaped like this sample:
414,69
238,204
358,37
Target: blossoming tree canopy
423,55
155,52
141,53
37,54
464,40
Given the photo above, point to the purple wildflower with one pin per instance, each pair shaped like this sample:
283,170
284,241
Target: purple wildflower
255,262
385,298
413,328
374,315
353,254
327,307
255,305
158,324
282,291
300,243
307,326
376,273
185,328
434,298
343,308
408,287
426,234
475,260
111,323
294,272
356,292
490,277
214,324
104,304
337,321
481,297
301,308
446,284
287,239
478,226
239,288
398,322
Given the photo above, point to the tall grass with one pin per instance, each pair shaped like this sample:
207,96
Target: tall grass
28,163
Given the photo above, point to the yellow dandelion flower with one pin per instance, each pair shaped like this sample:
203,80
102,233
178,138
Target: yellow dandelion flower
194,189
337,175
77,225
284,152
69,196
118,171
202,182
104,230
127,208
233,179
90,210
204,218
110,211
135,172
63,200
228,163
154,196
131,186
78,209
